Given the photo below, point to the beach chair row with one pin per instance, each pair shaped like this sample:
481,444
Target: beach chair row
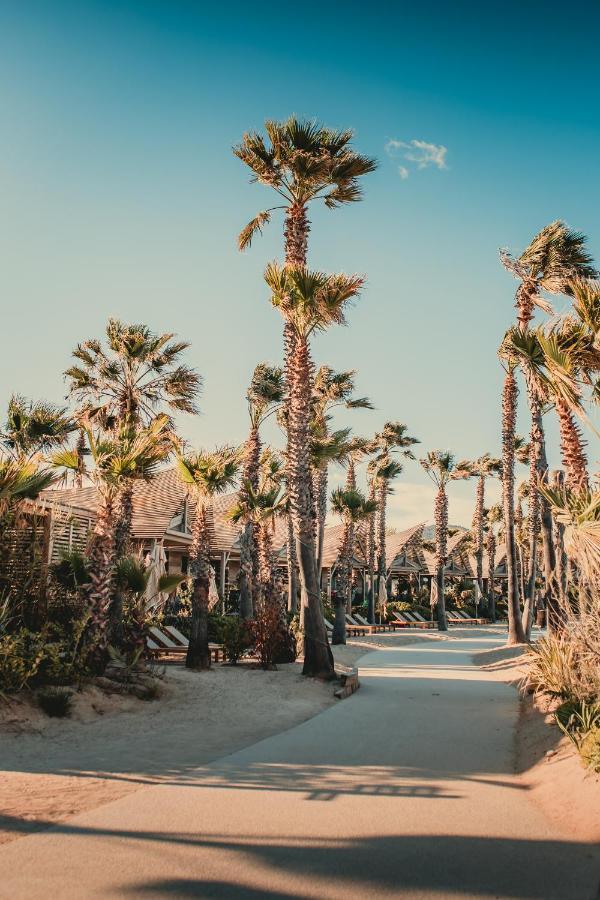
168,640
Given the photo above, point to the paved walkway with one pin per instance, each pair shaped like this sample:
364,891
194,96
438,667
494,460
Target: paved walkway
404,790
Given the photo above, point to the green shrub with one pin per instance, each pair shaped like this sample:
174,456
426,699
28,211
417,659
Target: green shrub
236,638
54,702
21,654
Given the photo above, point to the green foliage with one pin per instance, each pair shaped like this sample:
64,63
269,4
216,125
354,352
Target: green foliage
236,638
21,655
71,572
589,749
54,702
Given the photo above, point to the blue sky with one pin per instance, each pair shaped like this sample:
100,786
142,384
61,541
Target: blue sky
120,194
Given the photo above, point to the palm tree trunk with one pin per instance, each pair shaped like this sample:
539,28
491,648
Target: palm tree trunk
342,587
318,659
245,578
381,542
101,570
536,440
371,557
198,654
292,567
122,547
516,635
491,554
296,230
571,445
479,506
441,552
321,500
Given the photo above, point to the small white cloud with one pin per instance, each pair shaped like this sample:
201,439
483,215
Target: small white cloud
420,153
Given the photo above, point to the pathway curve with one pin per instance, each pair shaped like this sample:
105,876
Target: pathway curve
404,790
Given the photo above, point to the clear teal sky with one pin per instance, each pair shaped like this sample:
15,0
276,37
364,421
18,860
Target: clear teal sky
120,195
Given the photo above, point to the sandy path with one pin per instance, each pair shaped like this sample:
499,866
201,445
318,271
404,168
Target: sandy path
406,790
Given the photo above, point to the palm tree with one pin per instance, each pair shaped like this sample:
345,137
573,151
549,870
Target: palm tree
20,480
264,397
119,457
35,428
554,256
492,518
325,448
262,506
353,508
441,467
303,162
482,468
206,475
308,301
137,375
134,377
330,390
393,439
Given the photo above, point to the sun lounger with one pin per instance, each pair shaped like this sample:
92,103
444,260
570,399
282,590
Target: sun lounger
163,644
417,622
402,622
328,624
362,621
358,628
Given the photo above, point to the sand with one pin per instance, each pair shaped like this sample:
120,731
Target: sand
111,745
567,793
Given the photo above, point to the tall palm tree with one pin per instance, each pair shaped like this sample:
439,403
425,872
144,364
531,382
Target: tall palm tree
264,397
441,467
482,468
303,162
206,475
390,441
325,448
330,390
353,508
119,457
308,301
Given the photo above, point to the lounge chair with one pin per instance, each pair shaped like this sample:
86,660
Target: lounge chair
358,628
162,643
402,622
362,621
328,624
453,619
421,622
417,622
466,618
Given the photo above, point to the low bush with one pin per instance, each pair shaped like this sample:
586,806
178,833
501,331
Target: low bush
54,702
21,655
236,638
589,749
271,637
